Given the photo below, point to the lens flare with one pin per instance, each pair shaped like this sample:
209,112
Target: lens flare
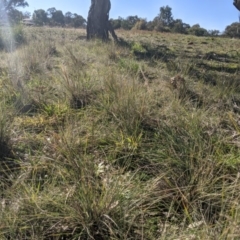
6,31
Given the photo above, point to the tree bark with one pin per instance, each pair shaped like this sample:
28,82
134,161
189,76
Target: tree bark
98,25
236,3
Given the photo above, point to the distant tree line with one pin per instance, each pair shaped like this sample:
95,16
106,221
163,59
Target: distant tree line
164,22
54,17
8,11
51,17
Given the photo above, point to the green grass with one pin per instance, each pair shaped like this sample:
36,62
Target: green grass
97,143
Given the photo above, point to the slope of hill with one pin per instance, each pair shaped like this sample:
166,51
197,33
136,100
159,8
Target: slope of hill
138,140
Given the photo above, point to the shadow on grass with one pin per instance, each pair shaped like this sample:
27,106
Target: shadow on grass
8,165
219,68
148,52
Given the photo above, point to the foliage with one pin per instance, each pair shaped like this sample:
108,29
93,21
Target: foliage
165,16
160,27
40,17
179,27
233,30
116,23
51,11
15,16
57,18
27,14
197,31
19,35
150,25
127,23
8,8
164,22
140,25
213,32
78,21
7,5
68,17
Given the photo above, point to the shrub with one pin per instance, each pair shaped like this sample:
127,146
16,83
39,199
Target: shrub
233,30
140,25
19,35
180,27
159,27
198,31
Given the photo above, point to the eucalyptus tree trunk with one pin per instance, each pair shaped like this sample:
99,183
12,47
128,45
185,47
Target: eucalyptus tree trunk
98,25
236,3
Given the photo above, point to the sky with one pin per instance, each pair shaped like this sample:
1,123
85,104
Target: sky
210,14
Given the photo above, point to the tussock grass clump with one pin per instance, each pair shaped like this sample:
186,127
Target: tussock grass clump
34,59
126,101
4,134
8,163
78,84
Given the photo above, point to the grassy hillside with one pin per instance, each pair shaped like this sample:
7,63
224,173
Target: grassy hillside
132,141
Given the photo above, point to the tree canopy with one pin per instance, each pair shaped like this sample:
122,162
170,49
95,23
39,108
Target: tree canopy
7,5
40,17
232,30
8,9
54,17
165,16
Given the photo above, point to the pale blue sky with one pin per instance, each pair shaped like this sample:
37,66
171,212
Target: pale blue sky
210,14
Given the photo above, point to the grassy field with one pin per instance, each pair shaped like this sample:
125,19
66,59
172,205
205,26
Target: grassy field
138,140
